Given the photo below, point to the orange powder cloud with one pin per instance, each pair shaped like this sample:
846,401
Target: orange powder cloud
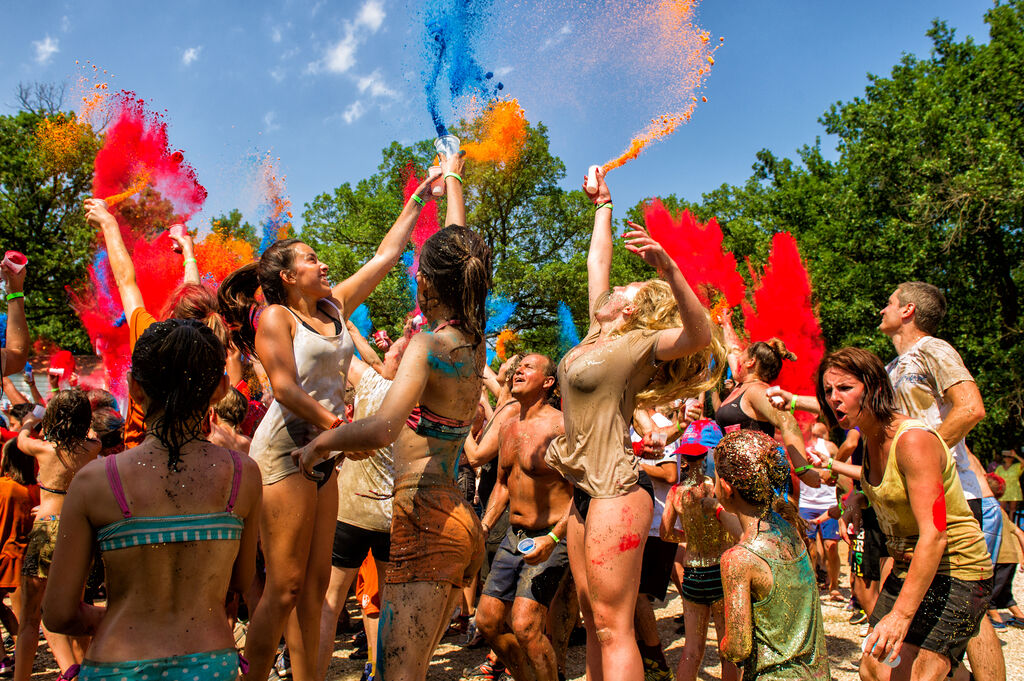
503,133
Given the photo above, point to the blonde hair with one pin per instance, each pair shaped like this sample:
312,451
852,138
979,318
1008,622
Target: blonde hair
657,309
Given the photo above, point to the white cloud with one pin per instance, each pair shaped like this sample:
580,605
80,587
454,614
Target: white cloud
190,55
503,71
45,49
277,73
65,24
270,122
354,112
275,35
375,85
565,30
371,15
341,56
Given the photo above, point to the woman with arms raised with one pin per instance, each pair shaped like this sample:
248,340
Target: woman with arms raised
649,343
436,539
174,519
304,347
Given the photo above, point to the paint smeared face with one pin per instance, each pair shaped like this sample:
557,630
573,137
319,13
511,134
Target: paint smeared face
620,304
845,396
892,315
308,272
530,376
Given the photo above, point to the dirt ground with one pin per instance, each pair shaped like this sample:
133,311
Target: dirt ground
843,641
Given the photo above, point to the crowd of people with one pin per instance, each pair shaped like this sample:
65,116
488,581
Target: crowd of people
268,460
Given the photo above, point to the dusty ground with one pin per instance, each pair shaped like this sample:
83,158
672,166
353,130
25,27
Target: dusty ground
842,640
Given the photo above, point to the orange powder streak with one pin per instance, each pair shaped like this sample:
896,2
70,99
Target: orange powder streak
137,186
503,127
673,19
60,140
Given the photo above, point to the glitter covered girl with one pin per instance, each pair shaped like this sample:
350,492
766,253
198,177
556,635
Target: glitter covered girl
303,345
932,602
648,343
704,542
773,622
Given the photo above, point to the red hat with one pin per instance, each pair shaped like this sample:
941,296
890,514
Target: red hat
689,444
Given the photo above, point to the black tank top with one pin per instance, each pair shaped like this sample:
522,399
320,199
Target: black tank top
730,416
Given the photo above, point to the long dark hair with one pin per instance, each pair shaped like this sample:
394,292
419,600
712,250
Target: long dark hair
457,262
236,296
879,397
66,422
179,363
17,465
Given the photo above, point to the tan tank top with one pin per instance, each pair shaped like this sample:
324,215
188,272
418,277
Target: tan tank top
966,556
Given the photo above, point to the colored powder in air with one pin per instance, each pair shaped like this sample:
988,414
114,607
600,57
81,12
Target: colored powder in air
684,52
278,221
361,318
3,329
426,226
136,146
506,344
62,142
140,183
568,336
452,28
697,249
499,310
500,132
782,308
409,260
218,256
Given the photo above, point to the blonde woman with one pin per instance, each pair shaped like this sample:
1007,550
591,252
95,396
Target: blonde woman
648,343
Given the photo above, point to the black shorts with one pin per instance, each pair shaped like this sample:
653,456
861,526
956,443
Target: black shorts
351,544
656,569
868,548
703,585
1002,586
511,578
582,500
947,618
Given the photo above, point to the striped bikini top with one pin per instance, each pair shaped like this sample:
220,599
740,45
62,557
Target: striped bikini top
140,531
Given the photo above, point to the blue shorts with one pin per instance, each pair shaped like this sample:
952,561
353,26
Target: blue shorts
511,578
829,529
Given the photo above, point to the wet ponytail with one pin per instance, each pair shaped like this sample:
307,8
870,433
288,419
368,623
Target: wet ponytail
457,262
178,363
237,298
66,422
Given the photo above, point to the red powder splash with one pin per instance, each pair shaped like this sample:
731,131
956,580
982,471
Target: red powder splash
502,128
629,542
782,308
427,225
681,49
939,508
135,146
697,249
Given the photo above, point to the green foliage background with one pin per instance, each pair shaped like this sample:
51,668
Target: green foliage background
928,185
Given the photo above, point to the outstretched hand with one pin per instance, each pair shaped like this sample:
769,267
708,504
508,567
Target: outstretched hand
452,164
96,212
603,194
639,241
423,191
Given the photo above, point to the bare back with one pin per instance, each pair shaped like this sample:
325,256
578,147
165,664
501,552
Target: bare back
706,539
56,475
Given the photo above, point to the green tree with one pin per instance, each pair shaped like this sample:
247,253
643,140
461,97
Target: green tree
41,215
231,225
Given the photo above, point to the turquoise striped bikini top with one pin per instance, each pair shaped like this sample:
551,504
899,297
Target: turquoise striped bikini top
140,531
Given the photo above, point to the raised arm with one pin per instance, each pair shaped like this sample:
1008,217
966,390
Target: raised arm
188,254
455,213
919,457
599,257
792,438
353,291
121,264
13,394
366,353
17,341
695,333
783,400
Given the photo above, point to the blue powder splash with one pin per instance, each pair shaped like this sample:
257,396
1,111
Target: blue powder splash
499,310
3,329
407,260
450,28
361,318
271,227
568,337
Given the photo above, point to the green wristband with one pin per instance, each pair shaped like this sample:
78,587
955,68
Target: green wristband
417,199
804,469
606,204
792,405
554,537
455,175
16,294
188,260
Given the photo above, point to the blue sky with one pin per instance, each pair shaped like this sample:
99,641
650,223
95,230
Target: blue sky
324,86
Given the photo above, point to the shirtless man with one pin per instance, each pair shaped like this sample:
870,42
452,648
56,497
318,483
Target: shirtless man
523,583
